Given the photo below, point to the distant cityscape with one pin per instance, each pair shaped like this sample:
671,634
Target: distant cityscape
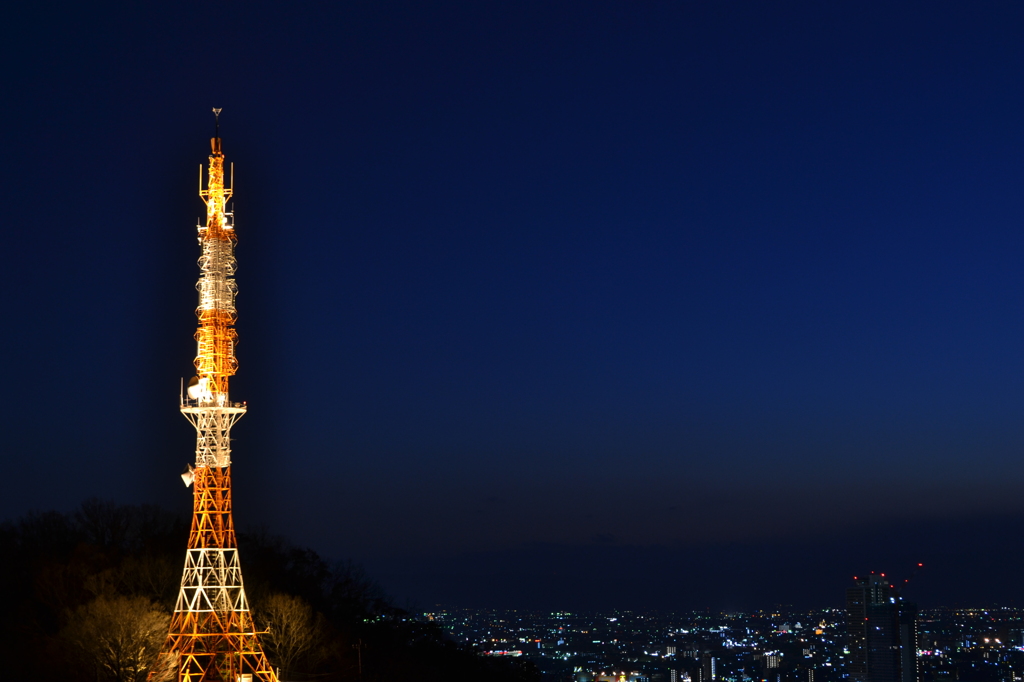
878,637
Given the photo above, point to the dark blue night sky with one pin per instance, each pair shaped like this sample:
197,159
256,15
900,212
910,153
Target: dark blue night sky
558,304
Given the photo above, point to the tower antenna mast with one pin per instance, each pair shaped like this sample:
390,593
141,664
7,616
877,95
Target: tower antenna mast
212,636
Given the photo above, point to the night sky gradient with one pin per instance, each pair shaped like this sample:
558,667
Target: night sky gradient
547,304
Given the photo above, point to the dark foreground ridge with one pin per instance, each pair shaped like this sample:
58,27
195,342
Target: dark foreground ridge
88,596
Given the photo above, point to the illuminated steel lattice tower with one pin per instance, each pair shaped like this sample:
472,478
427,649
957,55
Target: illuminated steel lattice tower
212,637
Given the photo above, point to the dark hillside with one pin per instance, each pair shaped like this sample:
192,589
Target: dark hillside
72,580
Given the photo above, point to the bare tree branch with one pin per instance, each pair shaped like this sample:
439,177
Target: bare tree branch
120,636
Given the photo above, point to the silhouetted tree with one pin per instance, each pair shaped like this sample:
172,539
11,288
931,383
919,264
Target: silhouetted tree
293,632
118,637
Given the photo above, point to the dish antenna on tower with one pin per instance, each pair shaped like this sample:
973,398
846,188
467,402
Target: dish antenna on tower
188,475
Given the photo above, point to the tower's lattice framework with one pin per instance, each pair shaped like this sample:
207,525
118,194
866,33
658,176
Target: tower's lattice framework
212,636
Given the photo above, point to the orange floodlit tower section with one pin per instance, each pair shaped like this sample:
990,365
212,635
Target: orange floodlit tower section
212,636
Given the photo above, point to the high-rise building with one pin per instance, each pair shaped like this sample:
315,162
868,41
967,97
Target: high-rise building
909,667
882,632
873,630
708,672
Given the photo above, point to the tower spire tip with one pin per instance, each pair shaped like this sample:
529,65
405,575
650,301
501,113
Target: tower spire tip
215,142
